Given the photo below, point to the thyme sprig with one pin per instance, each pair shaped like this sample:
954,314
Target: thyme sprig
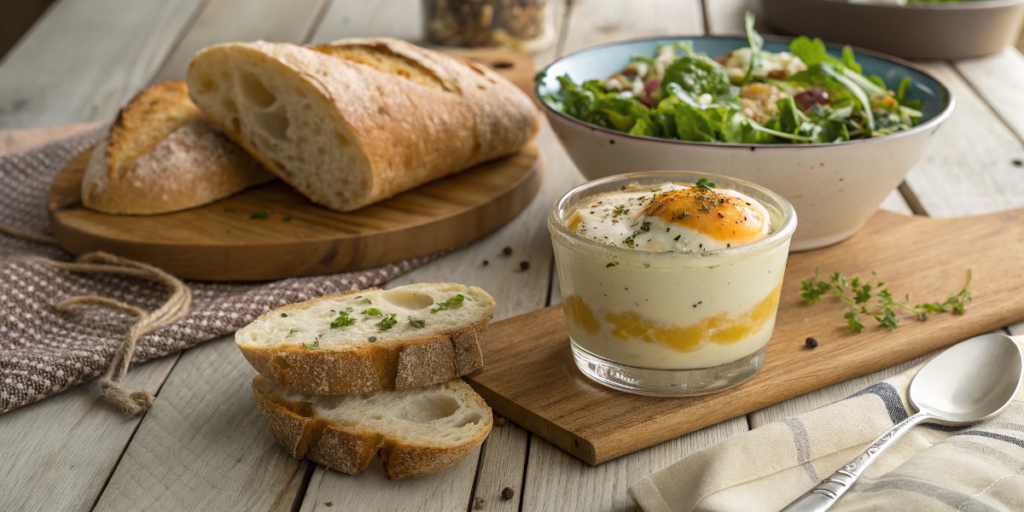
859,293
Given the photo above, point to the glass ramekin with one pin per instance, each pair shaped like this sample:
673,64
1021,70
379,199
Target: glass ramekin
670,324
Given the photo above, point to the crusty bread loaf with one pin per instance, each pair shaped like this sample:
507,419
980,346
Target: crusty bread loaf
366,341
417,431
356,121
161,156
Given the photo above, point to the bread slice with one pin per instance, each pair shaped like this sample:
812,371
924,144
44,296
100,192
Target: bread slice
161,156
357,121
371,340
416,431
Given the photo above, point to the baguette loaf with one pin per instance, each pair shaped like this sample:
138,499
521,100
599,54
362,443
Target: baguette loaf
161,156
367,341
357,121
417,431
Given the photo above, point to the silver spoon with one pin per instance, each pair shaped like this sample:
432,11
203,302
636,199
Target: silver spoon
970,382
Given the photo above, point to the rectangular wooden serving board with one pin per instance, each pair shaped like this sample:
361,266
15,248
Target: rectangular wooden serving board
530,377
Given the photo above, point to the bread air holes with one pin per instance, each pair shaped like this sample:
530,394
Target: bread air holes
280,364
407,299
254,92
430,408
469,419
272,124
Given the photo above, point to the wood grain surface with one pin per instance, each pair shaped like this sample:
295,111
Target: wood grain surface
531,378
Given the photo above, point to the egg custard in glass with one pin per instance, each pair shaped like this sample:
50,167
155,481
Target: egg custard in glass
670,280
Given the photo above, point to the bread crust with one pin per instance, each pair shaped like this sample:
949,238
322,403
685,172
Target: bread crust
388,364
349,449
161,156
407,133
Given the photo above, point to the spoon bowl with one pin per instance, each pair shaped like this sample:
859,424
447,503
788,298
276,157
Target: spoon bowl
970,382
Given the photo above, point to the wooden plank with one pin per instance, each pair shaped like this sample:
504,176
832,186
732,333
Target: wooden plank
999,80
84,58
969,169
205,445
502,465
725,17
59,452
402,19
223,21
556,481
593,22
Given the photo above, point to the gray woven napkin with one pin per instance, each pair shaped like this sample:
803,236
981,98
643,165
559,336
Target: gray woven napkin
931,468
44,351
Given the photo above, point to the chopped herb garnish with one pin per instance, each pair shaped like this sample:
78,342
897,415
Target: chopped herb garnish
262,214
371,312
293,331
619,210
858,293
417,323
286,218
677,238
453,302
656,189
387,323
629,240
705,184
645,227
623,188
343,319
610,264
284,315
312,346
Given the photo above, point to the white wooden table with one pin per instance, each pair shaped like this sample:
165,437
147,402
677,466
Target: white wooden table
204,446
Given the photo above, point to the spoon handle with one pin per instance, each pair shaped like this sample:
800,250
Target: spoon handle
825,494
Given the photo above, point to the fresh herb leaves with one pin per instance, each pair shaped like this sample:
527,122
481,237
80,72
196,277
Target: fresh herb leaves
858,294
262,214
610,264
293,331
417,323
371,312
343,319
705,184
315,345
620,210
387,323
453,302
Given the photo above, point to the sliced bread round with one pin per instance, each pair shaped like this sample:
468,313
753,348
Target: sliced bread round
371,340
416,431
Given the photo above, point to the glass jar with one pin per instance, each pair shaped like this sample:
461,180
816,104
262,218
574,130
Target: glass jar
670,323
522,25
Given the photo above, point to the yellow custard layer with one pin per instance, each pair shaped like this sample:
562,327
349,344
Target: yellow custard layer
721,329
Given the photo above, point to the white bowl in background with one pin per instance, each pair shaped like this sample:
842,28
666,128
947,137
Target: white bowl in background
833,187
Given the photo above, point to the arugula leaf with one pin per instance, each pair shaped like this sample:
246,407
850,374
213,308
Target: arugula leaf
811,51
756,43
902,91
850,62
453,302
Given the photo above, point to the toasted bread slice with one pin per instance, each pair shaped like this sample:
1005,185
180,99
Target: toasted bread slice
355,121
162,156
367,341
416,431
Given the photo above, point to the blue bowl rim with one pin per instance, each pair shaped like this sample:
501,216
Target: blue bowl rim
927,125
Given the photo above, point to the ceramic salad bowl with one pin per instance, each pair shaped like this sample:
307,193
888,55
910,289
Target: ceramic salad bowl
834,187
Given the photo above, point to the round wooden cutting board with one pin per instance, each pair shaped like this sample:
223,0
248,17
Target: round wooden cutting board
273,232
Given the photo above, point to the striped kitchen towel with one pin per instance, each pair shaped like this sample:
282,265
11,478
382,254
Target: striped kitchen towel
931,468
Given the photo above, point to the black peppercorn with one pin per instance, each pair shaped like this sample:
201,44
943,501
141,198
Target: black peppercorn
811,343
507,493
486,263
372,339
507,251
524,265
